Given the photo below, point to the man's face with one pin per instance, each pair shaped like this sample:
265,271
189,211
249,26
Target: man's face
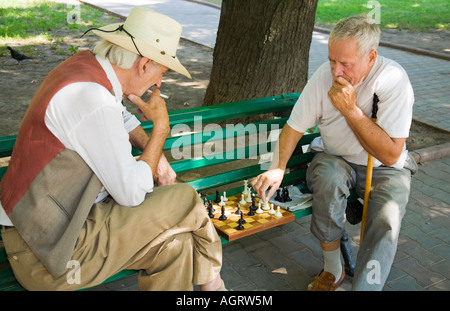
345,61
149,74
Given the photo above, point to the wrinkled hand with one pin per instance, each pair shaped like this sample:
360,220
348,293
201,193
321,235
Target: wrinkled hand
343,95
154,110
164,175
270,179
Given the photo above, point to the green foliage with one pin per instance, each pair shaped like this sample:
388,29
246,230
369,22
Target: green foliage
416,15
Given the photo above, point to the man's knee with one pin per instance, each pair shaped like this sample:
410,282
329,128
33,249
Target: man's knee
328,173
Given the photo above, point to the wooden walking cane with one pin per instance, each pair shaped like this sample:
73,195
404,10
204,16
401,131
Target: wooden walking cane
368,174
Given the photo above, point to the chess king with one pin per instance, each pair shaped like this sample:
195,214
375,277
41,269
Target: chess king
74,192
339,98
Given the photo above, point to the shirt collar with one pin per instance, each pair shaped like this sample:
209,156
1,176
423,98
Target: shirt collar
112,77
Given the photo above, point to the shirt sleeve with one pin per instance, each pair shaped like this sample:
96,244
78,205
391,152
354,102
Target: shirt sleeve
129,120
395,108
87,119
307,110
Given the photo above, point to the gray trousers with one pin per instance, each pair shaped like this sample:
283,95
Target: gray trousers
330,180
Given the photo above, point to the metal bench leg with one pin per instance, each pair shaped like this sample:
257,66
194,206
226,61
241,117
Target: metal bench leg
349,261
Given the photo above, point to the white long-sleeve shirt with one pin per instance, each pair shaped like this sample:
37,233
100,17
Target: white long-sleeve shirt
90,120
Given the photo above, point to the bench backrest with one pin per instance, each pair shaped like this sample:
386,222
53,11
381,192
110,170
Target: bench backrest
231,163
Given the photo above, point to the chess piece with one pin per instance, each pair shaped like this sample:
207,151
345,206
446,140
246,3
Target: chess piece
225,196
271,211
278,196
251,211
242,201
285,195
238,211
278,213
245,186
217,200
221,203
249,196
222,216
266,206
259,210
210,211
241,222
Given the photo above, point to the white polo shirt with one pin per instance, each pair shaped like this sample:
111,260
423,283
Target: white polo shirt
387,79
90,120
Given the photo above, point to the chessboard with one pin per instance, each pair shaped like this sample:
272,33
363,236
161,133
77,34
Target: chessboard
231,229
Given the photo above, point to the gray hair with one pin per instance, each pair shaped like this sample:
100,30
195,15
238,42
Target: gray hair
367,34
118,56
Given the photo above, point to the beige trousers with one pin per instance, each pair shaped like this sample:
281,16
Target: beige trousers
169,238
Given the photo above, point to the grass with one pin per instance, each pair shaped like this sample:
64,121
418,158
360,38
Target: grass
413,15
37,22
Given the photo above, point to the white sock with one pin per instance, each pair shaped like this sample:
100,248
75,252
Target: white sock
333,263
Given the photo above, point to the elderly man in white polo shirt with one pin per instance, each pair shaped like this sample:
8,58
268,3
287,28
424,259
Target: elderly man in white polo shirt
73,191
339,98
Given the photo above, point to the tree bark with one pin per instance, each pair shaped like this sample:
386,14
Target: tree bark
262,49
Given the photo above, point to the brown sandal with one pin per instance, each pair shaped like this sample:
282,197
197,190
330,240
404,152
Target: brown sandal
324,281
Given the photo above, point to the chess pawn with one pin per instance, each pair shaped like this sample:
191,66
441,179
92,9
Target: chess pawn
271,211
278,213
217,200
259,210
222,216
243,200
225,196
238,211
266,206
221,203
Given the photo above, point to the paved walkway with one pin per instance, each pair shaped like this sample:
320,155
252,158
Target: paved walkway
288,257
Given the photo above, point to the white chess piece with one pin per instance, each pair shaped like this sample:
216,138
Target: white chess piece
225,196
245,186
242,200
221,203
272,211
266,206
249,195
278,213
259,210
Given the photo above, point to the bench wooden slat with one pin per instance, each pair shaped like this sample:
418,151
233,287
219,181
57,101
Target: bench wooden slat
227,111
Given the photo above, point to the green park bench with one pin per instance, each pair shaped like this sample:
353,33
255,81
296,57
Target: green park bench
208,173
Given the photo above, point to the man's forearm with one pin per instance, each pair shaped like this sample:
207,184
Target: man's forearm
374,139
153,149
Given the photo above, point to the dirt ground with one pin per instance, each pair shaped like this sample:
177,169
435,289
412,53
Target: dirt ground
18,82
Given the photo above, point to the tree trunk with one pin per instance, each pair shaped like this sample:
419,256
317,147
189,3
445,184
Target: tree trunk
262,49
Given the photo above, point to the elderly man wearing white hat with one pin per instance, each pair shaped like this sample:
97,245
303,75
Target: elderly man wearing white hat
74,197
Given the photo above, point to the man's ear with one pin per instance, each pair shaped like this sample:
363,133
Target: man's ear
143,64
372,57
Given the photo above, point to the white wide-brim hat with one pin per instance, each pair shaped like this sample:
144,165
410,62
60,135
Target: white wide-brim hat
155,36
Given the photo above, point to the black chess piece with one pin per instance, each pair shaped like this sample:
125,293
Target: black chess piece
287,198
252,208
240,222
210,211
222,216
217,200
278,196
238,211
